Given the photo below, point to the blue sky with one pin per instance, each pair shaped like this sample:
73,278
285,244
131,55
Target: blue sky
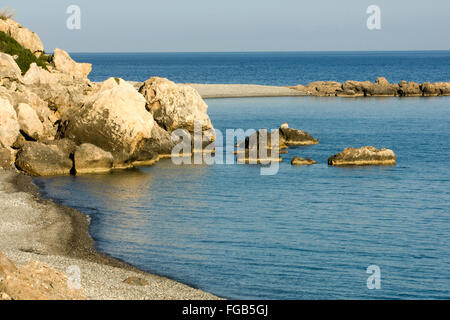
237,25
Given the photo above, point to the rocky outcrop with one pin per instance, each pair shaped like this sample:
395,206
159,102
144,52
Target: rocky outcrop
295,137
381,88
363,156
29,122
299,161
7,157
24,36
91,159
113,118
149,150
37,281
9,126
175,106
40,159
9,68
37,76
64,63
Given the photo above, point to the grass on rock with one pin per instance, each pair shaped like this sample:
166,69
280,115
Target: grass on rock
25,58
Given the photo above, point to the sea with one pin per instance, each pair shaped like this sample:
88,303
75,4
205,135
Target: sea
309,232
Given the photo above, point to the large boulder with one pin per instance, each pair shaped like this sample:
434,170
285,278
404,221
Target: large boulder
149,150
294,137
40,159
363,156
24,36
113,118
38,281
175,106
64,63
37,75
9,126
29,121
91,159
8,67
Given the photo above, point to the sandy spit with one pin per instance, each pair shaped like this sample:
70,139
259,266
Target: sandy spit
32,228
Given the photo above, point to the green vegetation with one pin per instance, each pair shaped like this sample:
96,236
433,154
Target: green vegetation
6,14
25,57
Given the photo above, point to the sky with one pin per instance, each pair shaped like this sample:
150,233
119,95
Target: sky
236,25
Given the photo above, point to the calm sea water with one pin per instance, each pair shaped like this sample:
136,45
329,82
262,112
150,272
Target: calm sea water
271,68
305,233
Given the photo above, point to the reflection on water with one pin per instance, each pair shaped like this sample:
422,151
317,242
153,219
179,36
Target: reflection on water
307,232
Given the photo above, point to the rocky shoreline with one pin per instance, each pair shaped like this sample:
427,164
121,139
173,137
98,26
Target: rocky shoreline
35,229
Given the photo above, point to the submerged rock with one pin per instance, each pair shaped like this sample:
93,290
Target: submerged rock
38,281
91,159
363,156
299,161
39,159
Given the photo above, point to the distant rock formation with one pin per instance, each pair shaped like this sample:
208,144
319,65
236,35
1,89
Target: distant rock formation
299,161
363,156
22,35
381,88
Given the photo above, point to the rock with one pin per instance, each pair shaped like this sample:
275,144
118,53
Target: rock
37,281
113,118
29,122
299,161
9,68
444,87
4,296
7,158
409,89
293,137
40,159
6,266
9,126
175,106
323,88
430,90
91,159
24,36
363,156
37,75
135,281
259,148
149,150
263,139
285,125
64,63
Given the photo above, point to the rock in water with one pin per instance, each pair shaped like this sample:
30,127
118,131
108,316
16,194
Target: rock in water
39,159
363,156
294,137
9,126
64,63
91,159
299,161
113,118
37,281
29,121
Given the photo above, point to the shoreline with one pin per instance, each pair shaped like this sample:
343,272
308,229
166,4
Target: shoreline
35,228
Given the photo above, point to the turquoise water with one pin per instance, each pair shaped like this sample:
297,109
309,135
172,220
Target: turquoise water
305,233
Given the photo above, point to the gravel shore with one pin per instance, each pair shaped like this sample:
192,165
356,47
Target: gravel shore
33,229
208,91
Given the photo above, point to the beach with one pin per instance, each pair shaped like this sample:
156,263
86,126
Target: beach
209,91
36,229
